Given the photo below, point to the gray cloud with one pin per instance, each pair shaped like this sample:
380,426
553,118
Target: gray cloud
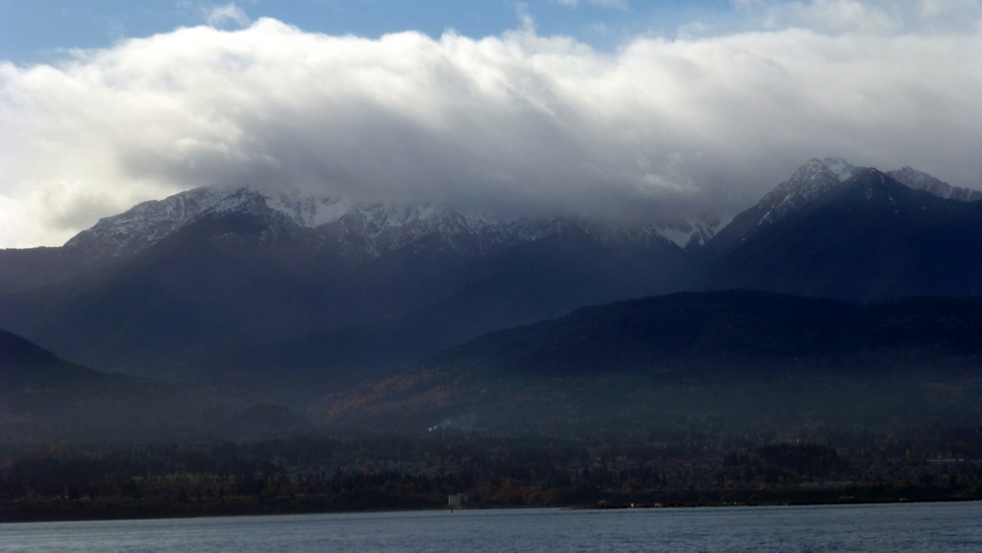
517,123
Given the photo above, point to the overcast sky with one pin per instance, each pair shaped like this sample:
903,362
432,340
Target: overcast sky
599,107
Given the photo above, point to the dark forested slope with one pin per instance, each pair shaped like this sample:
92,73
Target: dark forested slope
742,357
44,398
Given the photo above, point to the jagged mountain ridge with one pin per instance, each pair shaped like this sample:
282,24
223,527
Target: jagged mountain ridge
370,228
922,181
869,238
815,179
820,176
361,227
335,226
810,181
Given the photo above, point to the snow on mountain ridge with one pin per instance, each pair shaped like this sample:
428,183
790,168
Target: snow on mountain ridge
382,226
315,212
371,228
692,230
819,176
922,181
839,167
143,224
309,212
814,178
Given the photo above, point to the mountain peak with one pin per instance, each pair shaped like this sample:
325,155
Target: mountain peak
918,180
811,180
814,168
375,227
817,177
143,224
367,227
840,167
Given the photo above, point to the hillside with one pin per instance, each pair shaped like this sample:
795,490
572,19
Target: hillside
712,361
46,399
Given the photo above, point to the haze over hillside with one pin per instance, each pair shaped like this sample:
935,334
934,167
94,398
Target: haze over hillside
45,399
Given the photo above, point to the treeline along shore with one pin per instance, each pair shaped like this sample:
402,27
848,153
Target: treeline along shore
341,474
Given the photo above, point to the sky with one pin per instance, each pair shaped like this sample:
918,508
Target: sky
607,108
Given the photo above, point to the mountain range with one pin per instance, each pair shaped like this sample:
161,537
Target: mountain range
300,297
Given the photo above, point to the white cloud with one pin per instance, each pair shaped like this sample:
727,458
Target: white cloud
867,16
516,122
221,16
840,16
621,4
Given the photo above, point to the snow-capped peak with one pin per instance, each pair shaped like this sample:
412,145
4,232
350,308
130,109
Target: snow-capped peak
309,212
811,176
143,224
693,231
318,211
819,176
839,167
922,181
373,228
811,180
353,226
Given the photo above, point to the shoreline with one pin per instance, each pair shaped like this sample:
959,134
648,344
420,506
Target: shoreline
28,512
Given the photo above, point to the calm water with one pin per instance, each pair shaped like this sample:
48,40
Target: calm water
897,527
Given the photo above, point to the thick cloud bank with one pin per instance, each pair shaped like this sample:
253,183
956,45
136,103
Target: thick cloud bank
517,123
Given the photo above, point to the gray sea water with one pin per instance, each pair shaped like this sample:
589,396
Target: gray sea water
950,527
